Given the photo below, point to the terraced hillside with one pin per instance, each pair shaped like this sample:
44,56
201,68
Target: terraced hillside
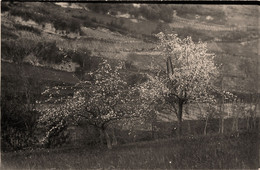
232,32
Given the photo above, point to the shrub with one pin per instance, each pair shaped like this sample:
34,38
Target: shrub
28,14
27,28
48,51
59,24
18,121
100,8
157,12
16,50
135,79
85,60
70,26
93,19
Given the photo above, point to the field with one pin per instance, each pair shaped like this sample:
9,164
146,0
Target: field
214,151
53,37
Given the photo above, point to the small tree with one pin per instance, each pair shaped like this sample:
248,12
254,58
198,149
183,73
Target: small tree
99,102
189,76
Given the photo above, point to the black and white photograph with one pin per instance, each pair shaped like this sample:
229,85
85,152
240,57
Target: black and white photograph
130,85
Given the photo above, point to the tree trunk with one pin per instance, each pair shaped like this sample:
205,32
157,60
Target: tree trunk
237,123
101,136
152,130
179,130
247,122
222,125
206,124
221,119
114,141
255,118
109,146
234,124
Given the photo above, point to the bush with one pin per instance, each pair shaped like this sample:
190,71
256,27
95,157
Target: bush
99,8
27,14
93,19
85,60
57,137
70,26
27,28
16,50
48,51
136,79
157,12
18,121
89,23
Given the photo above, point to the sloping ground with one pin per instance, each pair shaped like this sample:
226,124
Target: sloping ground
242,15
229,151
102,42
105,43
181,23
29,71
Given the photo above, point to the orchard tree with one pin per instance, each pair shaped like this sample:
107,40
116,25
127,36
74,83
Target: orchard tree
189,76
99,102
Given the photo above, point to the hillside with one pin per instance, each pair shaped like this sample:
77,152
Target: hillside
67,30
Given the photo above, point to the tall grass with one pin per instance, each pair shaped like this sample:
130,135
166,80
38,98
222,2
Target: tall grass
215,151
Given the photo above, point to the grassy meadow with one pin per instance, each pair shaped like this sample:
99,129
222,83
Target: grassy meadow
201,152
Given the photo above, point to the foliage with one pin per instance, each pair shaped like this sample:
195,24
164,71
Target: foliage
86,61
151,12
28,14
192,72
89,22
99,8
156,12
18,125
16,50
43,16
106,98
162,27
99,102
70,26
27,28
49,52
197,35
189,76
18,120
135,79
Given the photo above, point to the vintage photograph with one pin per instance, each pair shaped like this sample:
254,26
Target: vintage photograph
129,85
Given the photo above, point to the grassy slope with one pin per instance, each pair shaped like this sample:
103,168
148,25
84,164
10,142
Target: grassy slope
214,151
113,45
29,71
